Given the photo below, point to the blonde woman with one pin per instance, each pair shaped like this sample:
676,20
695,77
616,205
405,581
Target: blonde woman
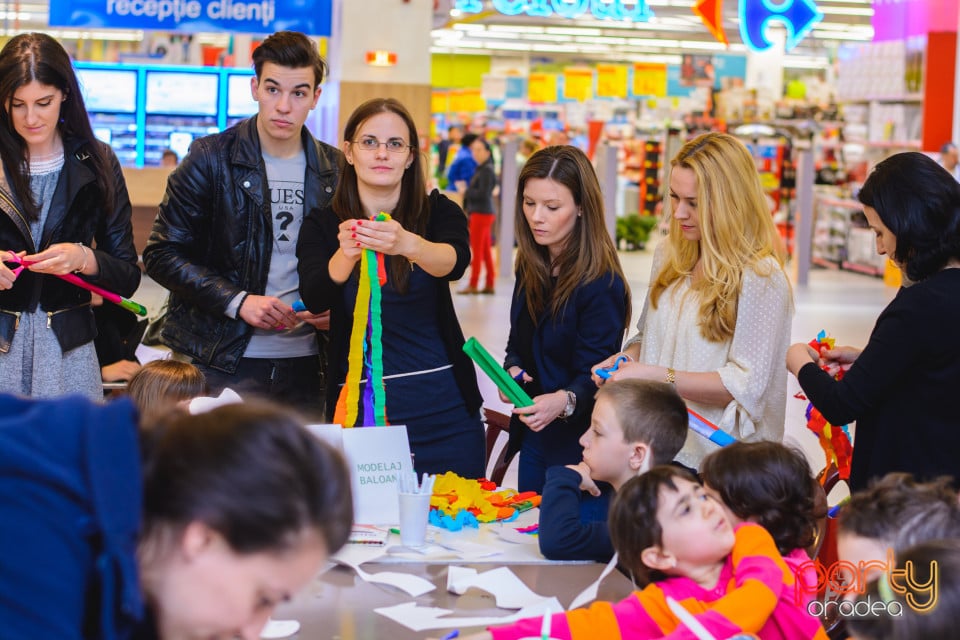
716,321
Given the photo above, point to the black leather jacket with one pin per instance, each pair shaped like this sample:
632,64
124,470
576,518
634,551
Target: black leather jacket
213,238
76,215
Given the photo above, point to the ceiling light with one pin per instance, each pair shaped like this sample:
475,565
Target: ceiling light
565,31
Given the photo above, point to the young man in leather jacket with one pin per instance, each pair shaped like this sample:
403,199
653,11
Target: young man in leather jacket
224,241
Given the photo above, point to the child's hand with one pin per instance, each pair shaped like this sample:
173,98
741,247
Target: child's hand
586,481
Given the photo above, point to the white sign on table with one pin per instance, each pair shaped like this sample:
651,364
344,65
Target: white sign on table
376,456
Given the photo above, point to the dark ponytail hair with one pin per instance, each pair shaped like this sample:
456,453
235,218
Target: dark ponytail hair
249,471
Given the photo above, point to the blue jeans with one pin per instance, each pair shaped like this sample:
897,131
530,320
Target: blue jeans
293,382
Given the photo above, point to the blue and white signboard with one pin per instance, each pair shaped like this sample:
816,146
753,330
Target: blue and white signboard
190,16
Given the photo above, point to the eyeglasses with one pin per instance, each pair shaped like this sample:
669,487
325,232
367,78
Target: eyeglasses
394,145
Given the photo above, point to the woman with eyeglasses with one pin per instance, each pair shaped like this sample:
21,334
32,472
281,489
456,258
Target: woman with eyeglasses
430,384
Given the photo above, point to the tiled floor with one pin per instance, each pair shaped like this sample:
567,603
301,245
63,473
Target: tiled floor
845,304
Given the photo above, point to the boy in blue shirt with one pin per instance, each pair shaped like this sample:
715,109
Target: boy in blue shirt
635,425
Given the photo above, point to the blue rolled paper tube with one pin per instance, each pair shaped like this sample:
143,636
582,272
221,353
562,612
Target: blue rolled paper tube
700,425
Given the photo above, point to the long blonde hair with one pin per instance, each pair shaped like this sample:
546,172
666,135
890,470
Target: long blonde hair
736,231
587,256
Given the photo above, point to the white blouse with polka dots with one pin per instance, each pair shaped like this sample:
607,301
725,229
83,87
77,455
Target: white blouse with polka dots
750,364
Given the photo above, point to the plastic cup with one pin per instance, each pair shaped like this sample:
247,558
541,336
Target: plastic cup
414,513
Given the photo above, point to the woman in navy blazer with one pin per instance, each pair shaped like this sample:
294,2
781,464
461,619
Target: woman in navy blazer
571,303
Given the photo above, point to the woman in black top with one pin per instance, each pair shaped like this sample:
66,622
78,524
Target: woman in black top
902,387
429,383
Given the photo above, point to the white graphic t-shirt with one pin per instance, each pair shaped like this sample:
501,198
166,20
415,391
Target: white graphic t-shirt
285,179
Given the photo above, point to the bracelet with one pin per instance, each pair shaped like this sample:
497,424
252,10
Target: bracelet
83,248
671,375
519,376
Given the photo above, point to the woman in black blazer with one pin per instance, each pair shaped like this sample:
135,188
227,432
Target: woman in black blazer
571,304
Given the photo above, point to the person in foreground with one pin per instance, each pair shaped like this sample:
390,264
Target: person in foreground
425,246
636,425
195,526
571,305
901,388
61,192
716,321
673,535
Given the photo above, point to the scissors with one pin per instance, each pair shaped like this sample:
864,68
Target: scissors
604,373
17,259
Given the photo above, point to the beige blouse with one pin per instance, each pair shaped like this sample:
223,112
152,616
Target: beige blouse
751,364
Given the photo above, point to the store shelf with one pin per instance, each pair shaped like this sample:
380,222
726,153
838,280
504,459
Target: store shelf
910,97
841,239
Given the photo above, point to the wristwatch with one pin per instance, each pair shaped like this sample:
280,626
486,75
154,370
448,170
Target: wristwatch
571,404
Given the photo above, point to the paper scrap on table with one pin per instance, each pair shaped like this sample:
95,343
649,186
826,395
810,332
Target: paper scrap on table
508,590
465,548
408,583
147,354
429,552
590,593
279,629
510,534
419,618
203,404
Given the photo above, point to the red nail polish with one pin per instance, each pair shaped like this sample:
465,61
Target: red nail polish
358,244
353,228
353,235
359,222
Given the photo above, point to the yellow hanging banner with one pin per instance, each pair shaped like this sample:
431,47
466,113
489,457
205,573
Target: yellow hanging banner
611,81
542,88
467,100
578,83
439,102
649,79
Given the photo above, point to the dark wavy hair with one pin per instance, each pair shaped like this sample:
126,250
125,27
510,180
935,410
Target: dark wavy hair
249,471
413,207
37,56
633,517
770,484
290,49
919,201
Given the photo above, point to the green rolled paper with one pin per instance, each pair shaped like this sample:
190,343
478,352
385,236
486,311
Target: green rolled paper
495,372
